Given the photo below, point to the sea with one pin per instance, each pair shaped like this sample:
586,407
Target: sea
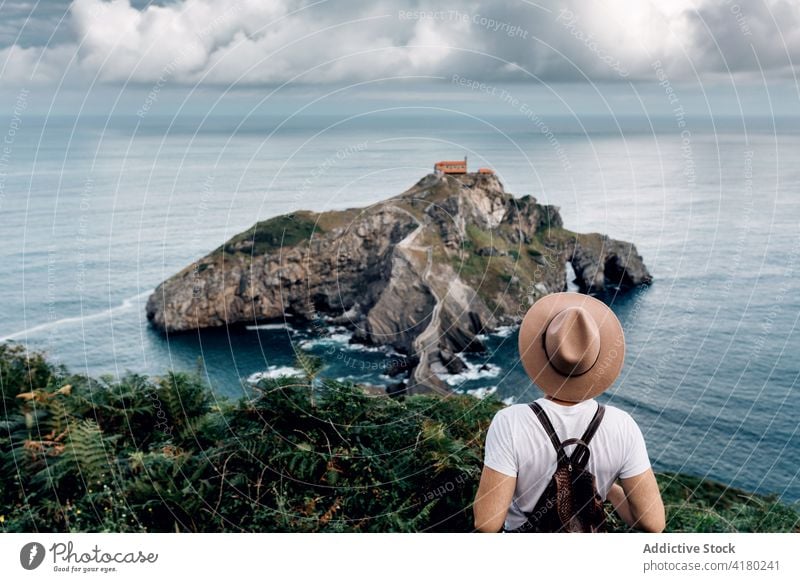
97,211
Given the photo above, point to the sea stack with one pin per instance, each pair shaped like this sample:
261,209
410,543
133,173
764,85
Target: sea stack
426,272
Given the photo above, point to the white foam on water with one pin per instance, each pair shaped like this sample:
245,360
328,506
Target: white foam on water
338,336
571,286
126,305
268,326
274,372
505,330
362,379
473,372
482,392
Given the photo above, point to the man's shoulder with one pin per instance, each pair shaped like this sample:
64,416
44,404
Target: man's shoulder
617,413
512,412
613,415
619,419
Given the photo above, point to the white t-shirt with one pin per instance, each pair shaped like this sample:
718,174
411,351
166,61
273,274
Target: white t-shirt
517,445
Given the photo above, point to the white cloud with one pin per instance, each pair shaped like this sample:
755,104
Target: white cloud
273,41
748,36
20,65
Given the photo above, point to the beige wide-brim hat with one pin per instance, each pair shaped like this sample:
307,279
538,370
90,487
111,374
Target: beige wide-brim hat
572,346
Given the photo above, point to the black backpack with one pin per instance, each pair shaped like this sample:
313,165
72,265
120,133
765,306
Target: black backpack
570,502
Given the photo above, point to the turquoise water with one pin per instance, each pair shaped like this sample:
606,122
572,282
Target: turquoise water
96,213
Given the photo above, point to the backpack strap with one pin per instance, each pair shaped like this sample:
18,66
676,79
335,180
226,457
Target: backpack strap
594,423
581,454
548,428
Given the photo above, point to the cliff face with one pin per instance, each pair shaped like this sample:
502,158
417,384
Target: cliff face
424,272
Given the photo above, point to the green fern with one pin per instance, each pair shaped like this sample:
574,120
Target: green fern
310,365
90,451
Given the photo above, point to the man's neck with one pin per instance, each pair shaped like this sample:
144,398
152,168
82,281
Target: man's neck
561,402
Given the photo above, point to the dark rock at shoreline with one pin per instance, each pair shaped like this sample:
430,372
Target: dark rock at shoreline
400,366
397,390
607,266
452,362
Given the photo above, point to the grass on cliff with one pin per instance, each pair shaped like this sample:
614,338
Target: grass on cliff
161,454
491,276
269,235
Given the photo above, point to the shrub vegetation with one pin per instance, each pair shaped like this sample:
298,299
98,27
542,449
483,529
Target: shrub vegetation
303,454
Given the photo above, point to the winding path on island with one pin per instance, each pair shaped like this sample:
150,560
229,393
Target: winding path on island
426,340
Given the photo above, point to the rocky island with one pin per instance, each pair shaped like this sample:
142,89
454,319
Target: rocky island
426,272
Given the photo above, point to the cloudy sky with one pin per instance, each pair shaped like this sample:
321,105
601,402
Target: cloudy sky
73,50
